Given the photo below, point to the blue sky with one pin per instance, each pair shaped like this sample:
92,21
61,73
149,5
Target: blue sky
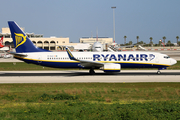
81,18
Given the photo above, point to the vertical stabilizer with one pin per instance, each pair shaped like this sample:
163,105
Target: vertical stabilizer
21,42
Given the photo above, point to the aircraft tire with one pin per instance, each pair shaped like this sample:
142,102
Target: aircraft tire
158,72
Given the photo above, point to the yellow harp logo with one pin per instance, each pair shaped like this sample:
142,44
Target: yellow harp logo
20,39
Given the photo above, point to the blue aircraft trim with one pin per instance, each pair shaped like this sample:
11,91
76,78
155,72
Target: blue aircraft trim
162,68
141,65
111,70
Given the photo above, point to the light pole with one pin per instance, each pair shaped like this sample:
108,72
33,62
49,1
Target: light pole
114,21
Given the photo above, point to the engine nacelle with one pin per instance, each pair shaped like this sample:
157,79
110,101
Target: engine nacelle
112,67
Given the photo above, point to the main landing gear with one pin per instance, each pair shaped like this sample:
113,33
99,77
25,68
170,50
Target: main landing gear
158,72
91,71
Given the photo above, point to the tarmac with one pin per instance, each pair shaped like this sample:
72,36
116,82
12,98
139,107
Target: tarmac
82,76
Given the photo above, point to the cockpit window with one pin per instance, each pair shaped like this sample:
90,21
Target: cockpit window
166,57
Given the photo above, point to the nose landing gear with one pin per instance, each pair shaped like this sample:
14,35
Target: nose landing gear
158,72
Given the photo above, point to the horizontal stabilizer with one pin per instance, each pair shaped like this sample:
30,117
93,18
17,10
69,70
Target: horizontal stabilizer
18,54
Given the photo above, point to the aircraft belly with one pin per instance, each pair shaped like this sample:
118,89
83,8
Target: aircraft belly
60,64
138,65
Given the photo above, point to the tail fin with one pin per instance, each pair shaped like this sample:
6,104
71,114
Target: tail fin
1,42
162,43
21,42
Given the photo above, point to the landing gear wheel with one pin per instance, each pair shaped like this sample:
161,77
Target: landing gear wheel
91,71
158,72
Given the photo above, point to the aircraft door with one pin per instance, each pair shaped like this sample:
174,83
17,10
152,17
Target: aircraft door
157,59
39,59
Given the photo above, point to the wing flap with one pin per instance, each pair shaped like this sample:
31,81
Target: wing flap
86,63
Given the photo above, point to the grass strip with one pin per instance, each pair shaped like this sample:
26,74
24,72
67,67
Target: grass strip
90,101
88,111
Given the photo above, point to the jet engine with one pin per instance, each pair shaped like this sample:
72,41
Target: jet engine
110,67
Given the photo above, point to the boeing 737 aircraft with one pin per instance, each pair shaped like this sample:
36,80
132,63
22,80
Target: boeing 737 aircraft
106,61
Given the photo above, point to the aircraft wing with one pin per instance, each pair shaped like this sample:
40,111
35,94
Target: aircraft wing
84,63
88,64
127,46
112,48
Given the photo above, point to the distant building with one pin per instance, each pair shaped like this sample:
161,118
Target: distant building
55,43
105,41
51,43
91,40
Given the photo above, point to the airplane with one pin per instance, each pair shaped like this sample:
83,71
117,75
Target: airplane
2,47
141,48
97,46
106,61
1,41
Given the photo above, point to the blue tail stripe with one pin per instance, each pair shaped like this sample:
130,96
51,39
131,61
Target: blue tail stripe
21,42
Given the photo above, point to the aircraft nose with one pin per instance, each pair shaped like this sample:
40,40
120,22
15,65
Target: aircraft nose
173,61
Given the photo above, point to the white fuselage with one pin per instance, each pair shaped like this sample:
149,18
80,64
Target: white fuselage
126,59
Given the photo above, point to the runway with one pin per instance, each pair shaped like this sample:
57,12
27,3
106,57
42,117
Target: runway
82,76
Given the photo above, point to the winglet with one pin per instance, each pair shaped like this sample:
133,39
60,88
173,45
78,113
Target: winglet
70,54
18,54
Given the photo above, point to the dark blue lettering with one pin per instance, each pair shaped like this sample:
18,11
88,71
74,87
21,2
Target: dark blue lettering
112,57
143,56
121,57
137,57
96,56
131,57
105,57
